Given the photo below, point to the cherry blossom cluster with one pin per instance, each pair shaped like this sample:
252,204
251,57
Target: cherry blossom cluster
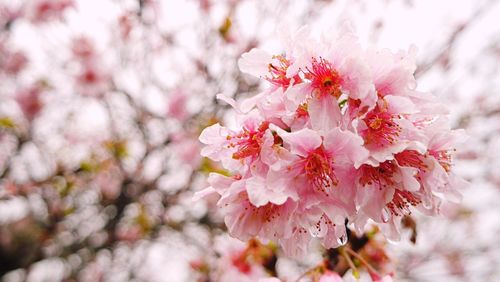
341,138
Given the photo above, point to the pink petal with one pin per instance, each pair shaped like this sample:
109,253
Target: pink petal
324,113
400,105
409,181
297,245
255,62
346,146
260,194
330,277
301,142
204,193
357,82
212,134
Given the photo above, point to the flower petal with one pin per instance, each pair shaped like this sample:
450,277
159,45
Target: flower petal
301,142
255,62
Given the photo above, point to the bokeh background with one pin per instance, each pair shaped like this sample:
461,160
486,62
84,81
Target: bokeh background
102,101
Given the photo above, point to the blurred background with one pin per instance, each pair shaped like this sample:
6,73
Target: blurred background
102,102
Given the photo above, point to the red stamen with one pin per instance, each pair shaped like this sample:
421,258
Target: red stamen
444,158
324,219
278,73
402,201
381,129
267,213
248,142
324,78
381,175
411,158
319,170
301,111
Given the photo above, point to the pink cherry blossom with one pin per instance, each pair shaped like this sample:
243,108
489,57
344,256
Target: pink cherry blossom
11,61
176,107
340,136
92,81
30,101
187,149
45,10
83,48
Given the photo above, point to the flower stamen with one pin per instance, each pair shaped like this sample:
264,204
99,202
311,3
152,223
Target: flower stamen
324,78
248,142
319,170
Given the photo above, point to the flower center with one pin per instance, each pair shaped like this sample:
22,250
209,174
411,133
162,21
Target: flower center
301,111
248,142
278,73
319,170
381,129
324,78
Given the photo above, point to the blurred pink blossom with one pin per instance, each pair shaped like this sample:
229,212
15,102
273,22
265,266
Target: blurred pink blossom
45,10
30,100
